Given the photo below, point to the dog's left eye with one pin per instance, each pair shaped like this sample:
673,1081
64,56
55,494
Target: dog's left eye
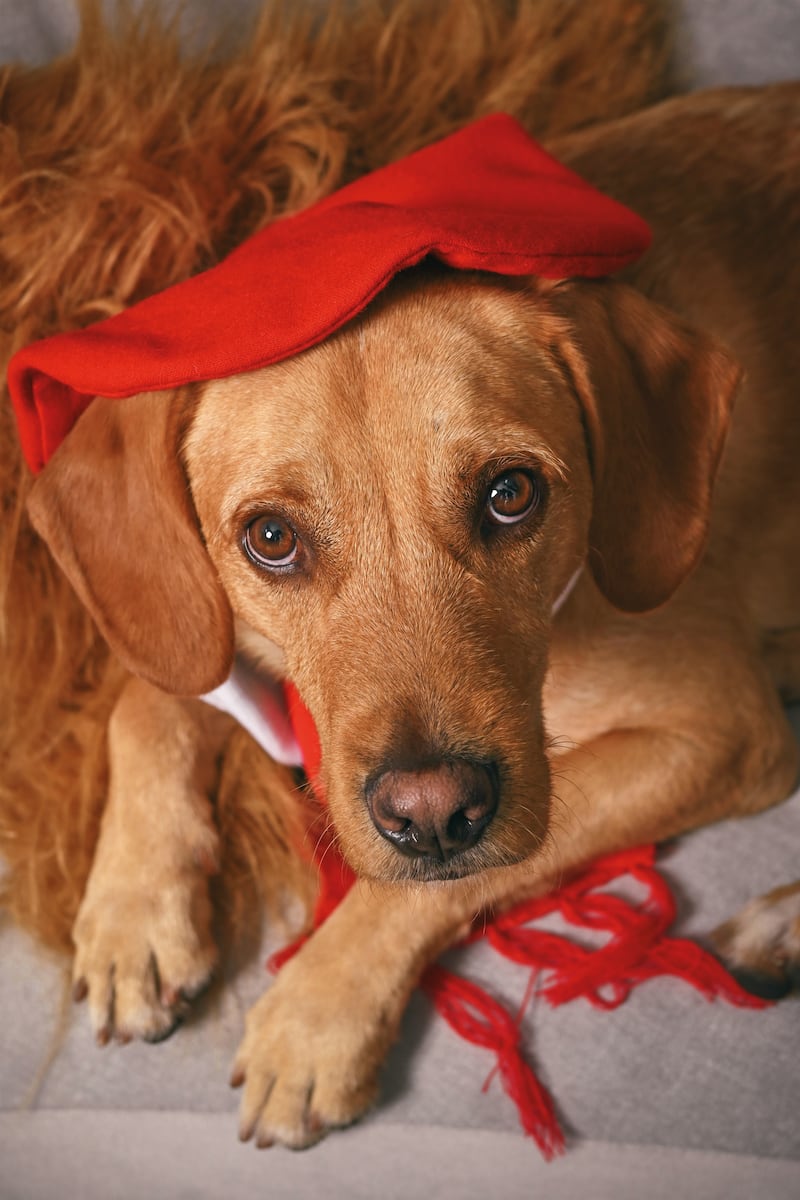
270,541
512,496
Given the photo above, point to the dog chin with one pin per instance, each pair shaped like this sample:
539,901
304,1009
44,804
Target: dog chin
432,871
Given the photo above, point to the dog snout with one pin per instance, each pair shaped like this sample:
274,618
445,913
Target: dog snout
434,811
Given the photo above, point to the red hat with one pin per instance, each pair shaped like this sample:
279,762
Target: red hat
486,198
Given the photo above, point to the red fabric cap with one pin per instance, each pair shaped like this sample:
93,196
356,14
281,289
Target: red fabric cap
486,198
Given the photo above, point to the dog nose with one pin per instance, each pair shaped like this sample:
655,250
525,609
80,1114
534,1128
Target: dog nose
434,811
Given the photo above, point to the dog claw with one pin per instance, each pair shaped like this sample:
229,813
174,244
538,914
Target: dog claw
766,987
161,1035
247,1131
80,990
170,996
314,1123
237,1077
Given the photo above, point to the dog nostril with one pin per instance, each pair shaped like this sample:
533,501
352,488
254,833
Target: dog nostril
393,824
460,828
435,811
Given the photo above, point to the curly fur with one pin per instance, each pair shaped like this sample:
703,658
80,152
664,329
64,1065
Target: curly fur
129,164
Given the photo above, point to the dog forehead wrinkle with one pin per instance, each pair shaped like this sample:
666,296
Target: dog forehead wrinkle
427,340
435,366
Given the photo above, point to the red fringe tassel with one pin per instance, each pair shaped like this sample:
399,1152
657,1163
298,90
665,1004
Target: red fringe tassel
479,1018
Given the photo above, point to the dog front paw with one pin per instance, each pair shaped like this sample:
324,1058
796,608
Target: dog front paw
760,946
144,948
309,1059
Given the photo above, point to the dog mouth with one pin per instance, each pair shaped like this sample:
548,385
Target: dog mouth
463,865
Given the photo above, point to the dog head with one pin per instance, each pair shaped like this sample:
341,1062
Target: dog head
395,512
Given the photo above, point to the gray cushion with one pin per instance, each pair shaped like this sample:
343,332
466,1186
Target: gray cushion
186,1156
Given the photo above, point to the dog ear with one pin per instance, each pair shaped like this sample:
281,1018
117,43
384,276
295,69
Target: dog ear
115,510
656,397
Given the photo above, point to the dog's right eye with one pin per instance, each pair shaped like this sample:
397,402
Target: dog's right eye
512,496
269,541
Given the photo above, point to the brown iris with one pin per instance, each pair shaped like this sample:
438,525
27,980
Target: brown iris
511,497
270,541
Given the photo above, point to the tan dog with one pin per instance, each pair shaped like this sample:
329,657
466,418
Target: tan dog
389,519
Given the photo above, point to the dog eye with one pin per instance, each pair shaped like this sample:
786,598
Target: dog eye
270,541
511,497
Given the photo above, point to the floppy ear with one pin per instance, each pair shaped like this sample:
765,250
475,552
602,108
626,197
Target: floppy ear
656,396
115,510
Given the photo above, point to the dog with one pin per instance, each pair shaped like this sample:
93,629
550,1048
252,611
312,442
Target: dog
97,215
466,455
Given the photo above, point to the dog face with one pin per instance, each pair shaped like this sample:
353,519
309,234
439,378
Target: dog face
396,511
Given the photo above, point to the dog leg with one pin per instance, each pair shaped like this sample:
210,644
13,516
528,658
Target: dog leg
143,933
630,786
315,1041
761,944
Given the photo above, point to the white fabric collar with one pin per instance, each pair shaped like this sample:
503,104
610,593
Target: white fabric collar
564,595
257,702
